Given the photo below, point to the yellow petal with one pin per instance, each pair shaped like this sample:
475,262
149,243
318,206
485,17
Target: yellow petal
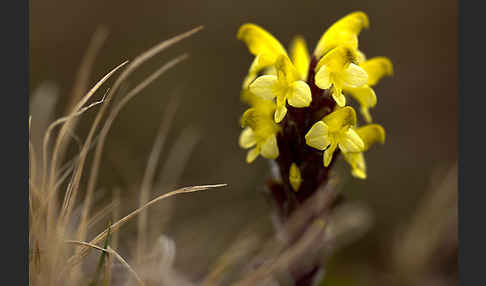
270,70
247,138
252,72
280,113
338,59
295,177
249,118
323,78
248,79
358,173
338,96
377,68
300,56
286,71
371,134
366,97
299,94
344,31
361,56
317,136
340,118
357,163
350,141
354,76
264,86
269,148
260,43
365,112
246,96
328,154
252,155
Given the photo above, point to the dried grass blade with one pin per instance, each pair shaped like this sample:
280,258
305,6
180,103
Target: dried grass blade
84,71
60,145
75,259
149,173
136,62
104,132
111,251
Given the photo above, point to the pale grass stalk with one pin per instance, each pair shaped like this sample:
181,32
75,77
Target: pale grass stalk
101,214
51,190
84,72
130,68
49,231
77,257
114,236
60,142
114,253
104,132
149,174
52,208
79,88
68,167
63,120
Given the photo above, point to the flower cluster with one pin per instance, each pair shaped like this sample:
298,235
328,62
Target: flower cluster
298,103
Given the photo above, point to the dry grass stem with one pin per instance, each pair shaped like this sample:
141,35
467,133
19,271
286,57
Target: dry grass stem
149,174
74,260
104,132
81,82
114,253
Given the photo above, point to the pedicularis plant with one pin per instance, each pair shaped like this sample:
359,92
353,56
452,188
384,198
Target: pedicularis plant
297,111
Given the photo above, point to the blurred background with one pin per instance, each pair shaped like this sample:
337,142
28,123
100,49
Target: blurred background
417,107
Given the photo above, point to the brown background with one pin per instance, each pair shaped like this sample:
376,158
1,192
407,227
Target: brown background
418,106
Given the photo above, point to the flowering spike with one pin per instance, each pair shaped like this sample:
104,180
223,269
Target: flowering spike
297,114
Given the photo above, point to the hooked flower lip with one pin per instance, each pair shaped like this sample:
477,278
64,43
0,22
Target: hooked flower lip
335,130
370,134
286,86
260,132
338,70
344,31
263,45
376,68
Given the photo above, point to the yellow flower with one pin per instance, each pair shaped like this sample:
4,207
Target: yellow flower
376,68
300,56
260,132
343,32
370,134
263,45
295,177
285,86
335,130
340,68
